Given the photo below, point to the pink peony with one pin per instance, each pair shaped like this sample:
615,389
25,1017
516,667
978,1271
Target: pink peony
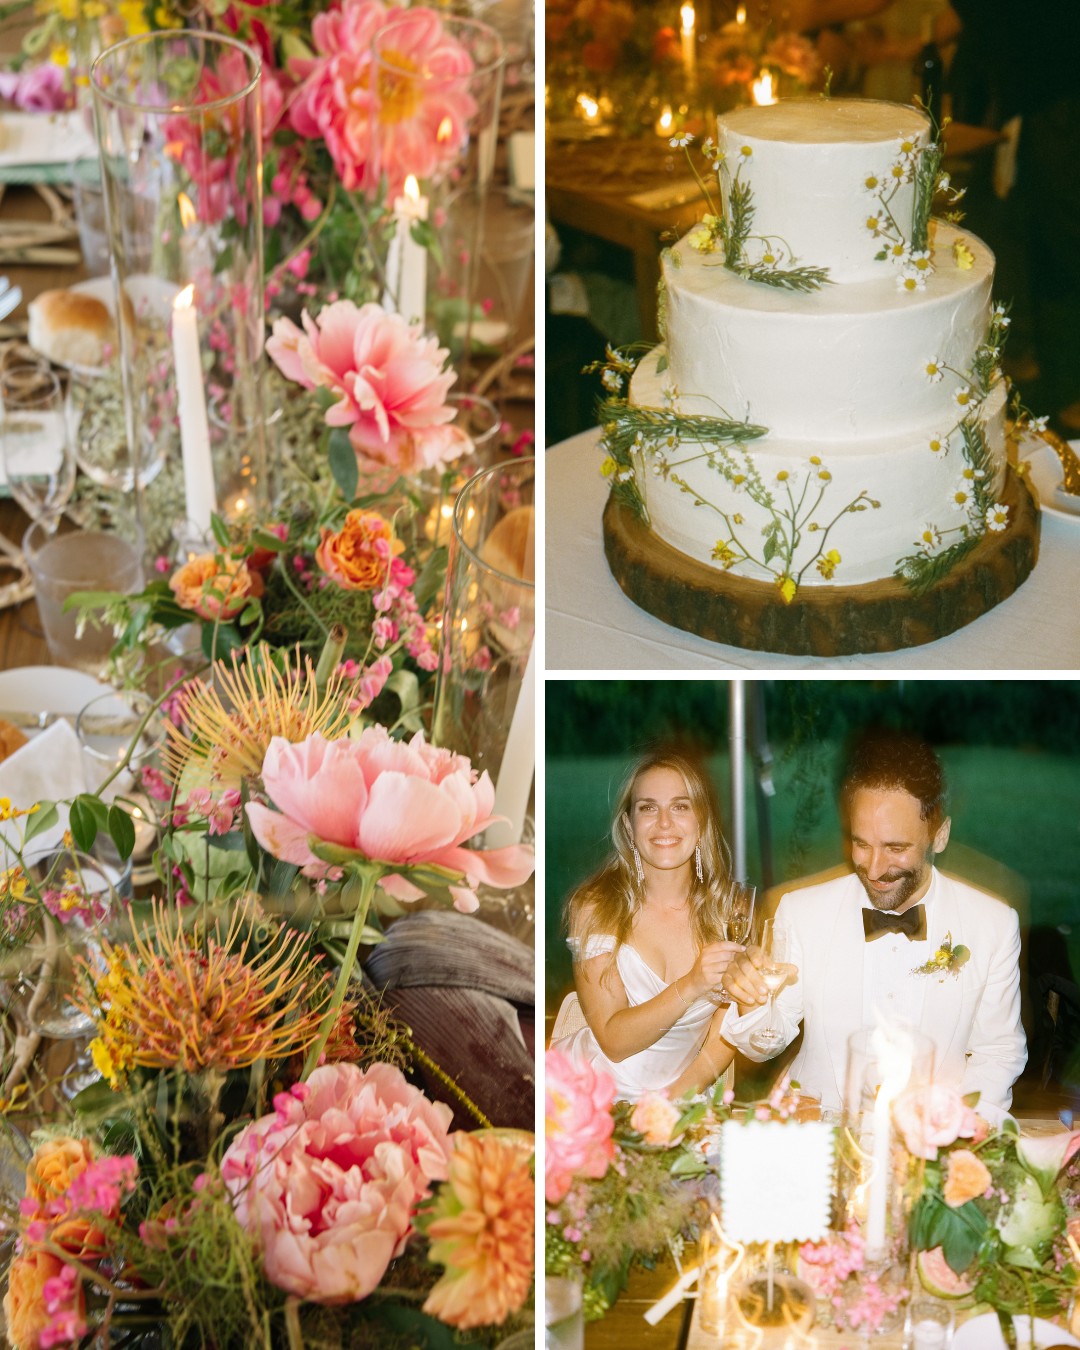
329,1183
389,380
579,1123
403,803
655,1116
421,118
40,88
930,1118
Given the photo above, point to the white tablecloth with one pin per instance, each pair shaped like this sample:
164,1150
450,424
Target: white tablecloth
592,625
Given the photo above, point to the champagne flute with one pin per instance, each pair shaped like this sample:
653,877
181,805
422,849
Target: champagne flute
739,912
38,462
773,971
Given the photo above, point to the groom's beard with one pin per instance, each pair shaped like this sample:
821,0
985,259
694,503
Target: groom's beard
905,884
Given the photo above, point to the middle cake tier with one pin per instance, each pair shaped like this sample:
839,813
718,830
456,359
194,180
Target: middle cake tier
848,361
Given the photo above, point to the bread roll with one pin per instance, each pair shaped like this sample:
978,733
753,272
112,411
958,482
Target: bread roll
11,739
70,328
509,547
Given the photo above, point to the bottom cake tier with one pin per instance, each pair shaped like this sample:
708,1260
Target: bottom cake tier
825,620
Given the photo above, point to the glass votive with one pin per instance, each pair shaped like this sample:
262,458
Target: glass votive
778,1310
928,1324
564,1318
478,419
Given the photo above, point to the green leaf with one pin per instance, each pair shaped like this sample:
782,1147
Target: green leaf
221,640
772,548
415,1328
42,819
220,531
662,364
406,686
343,464
83,820
687,1164
689,1117
121,830
270,542
250,613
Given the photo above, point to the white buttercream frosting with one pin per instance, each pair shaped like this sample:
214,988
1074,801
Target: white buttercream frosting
808,162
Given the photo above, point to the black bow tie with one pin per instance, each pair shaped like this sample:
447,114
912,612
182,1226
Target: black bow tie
912,923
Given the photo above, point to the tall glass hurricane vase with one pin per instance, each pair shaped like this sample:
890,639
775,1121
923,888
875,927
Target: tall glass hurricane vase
485,690
436,87
179,127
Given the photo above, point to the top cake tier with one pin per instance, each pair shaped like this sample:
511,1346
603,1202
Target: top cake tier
809,168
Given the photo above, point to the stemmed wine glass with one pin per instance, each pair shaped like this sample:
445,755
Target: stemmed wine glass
773,971
34,442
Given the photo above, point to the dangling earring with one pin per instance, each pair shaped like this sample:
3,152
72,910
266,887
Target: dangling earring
637,864
697,863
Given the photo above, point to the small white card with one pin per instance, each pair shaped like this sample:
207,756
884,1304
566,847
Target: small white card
776,1180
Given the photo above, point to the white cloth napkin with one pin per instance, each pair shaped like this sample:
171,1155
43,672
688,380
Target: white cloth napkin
47,768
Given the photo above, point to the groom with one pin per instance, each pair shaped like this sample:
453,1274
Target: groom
857,943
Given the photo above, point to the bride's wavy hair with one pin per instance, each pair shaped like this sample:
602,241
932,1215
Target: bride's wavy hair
610,900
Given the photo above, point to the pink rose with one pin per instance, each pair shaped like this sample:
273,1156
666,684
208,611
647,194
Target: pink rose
655,1116
579,1123
403,803
929,1118
389,381
329,1184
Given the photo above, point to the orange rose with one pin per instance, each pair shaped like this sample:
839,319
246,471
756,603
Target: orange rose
24,1302
215,589
49,1175
966,1177
358,556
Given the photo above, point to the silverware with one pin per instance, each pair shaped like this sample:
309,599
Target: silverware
10,297
34,721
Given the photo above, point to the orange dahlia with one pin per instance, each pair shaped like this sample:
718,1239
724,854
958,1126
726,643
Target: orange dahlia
481,1230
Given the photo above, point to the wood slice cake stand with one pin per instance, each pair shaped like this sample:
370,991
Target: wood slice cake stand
878,616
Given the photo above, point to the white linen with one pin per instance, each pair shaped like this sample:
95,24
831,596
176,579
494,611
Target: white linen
653,1069
47,768
973,1016
592,625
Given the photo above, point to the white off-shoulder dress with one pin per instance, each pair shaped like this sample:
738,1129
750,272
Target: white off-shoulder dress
653,1069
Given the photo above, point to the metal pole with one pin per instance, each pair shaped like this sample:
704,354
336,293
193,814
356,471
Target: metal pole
737,747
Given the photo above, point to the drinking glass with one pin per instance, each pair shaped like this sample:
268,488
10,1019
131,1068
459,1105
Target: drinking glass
738,914
564,1321
38,462
773,970
928,1324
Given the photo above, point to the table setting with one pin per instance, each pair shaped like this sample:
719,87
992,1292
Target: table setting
266,815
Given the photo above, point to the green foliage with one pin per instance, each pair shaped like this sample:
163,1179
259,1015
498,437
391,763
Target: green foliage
342,459
958,1232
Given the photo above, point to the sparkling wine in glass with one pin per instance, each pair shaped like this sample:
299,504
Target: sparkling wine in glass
773,972
739,912
35,447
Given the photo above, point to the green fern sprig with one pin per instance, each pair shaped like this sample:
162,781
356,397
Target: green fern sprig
803,279
624,422
922,571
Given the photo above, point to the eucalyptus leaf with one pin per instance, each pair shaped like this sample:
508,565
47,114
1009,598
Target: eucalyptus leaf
84,822
220,531
121,830
342,459
41,820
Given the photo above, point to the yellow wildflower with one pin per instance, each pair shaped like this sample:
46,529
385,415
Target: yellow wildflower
787,588
608,467
965,259
828,563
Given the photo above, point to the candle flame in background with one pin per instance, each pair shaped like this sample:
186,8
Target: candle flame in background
589,107
687,12
763,90
186,298
740,15
445,131
412,188
188,214
893,1054
665,122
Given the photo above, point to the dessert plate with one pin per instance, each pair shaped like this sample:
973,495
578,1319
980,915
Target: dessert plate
44,691
984,1333
1045,475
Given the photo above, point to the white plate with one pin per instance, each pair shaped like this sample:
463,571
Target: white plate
30,139
53,689
1045,475
151,297
984,1333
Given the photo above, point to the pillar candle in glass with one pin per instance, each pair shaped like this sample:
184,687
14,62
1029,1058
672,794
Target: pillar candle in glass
179,127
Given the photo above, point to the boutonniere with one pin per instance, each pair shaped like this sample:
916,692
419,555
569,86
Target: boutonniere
947,960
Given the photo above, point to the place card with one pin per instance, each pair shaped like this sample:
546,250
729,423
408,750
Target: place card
776,1180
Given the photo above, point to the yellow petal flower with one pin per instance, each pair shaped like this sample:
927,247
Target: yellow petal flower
787,589
965,259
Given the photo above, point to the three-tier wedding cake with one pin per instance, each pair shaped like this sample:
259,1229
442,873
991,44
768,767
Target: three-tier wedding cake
815,459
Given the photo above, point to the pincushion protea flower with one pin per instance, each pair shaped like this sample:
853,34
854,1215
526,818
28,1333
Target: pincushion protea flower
481,1229
196,1001
230,721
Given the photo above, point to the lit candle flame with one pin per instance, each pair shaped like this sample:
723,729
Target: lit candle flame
590,109
740,15
412,188
445,131
665,122
762,89
188,214
186,298
687,12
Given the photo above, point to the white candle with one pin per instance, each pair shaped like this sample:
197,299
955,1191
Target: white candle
518,764
929,1335
893,1059
689,55
199,497
406,263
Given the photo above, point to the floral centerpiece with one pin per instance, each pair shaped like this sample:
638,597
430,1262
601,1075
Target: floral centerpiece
254,1167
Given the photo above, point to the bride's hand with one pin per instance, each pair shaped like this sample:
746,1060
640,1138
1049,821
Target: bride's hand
743,984
708,971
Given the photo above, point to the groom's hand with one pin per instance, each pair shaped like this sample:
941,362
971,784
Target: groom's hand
743,983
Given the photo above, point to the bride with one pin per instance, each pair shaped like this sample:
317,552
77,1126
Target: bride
644,933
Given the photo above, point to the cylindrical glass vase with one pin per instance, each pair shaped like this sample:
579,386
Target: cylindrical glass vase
179,127
485,687
436,86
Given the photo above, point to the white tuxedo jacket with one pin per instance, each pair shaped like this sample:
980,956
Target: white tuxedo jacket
973,1017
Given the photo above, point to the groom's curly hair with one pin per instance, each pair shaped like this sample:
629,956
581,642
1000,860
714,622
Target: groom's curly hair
895,760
